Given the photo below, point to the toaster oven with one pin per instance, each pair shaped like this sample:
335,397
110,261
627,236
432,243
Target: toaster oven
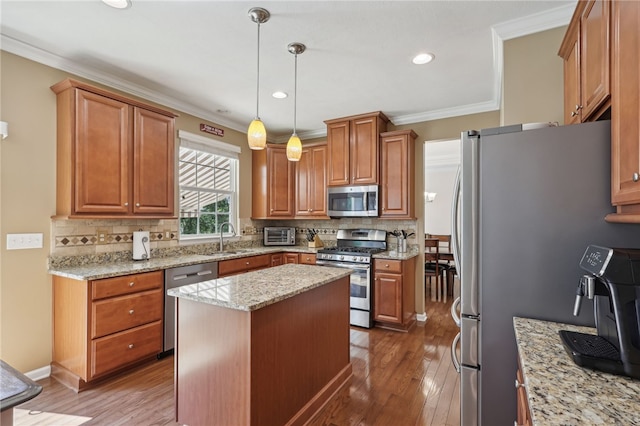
279,236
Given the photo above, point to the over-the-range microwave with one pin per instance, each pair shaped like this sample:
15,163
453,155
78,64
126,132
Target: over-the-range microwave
353,201
279,236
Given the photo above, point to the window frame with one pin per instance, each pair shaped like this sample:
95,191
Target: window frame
219,148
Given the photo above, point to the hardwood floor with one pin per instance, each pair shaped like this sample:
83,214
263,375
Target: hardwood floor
399,379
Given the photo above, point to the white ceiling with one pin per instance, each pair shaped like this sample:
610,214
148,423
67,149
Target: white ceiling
199,57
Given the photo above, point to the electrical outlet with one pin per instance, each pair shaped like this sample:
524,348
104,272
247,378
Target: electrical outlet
167,234
102,235
24,241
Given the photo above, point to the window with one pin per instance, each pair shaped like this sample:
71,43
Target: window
208,180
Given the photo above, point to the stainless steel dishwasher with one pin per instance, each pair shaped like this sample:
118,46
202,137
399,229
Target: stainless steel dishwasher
176,277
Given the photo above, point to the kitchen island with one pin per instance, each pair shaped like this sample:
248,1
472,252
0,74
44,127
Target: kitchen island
268,347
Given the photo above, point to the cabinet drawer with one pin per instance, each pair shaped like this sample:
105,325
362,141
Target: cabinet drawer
244,264
125,312
127,284
308,259
387,265
111,352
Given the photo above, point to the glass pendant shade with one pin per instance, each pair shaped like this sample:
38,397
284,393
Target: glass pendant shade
257,135
294,148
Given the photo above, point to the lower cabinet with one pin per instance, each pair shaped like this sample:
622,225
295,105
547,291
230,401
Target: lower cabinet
394,293
277,259
104,326
243,264
307,258
291,258
523,416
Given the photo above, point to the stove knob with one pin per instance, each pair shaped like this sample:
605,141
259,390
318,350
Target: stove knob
341,257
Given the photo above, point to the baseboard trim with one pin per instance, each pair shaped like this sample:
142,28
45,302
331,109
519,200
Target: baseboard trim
39,373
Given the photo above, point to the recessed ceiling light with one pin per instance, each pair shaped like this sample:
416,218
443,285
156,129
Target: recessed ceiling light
423,58
118,4
279,95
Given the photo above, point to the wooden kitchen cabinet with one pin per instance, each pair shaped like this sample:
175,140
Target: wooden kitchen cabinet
353,149
291,258
586,52
277,259
307,258
243,264
273,182
625,112
394,293
102,327
523,415
115,156
311,182
397,170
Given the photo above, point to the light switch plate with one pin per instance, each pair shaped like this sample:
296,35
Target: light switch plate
24,241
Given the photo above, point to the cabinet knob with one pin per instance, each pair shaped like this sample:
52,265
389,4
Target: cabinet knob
386,265
578,107
137,204
247,263
518,384
573,113
130,345
131,312
131,284
126,204
636,177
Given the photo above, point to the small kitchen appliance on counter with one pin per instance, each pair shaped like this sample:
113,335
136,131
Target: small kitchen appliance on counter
613,283
141,247
279,236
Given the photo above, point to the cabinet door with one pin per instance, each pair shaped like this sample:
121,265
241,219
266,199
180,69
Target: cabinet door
277,259
291,258
594,57
280,172
388,298
101,154
364,151
338,156
572,109
311,182
625,108
397,177
154,164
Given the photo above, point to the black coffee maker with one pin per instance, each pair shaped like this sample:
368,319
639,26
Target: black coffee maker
613,282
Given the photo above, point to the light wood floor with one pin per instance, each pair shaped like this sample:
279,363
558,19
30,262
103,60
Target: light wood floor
399,379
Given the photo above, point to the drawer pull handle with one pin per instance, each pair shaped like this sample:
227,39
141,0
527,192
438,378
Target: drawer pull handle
386,265
131,312
130,345
247,263
636,177
131,284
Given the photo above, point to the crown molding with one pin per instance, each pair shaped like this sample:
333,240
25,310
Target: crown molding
535,23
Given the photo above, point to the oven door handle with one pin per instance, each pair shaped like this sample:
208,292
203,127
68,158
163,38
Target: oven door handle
344,265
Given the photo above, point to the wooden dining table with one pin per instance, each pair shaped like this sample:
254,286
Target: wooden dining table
440,292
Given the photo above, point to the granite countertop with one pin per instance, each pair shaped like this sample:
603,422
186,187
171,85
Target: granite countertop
15,387
257,289
394,255
562,393
107,270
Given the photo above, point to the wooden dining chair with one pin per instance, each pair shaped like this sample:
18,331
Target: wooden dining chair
432,267
447,267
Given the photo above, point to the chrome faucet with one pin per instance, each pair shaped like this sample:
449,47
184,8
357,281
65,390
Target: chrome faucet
231,228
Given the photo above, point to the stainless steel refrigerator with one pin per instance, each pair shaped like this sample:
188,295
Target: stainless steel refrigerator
528,203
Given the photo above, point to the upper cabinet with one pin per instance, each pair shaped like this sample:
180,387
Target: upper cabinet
625,112
273,180
586,52
353,152
311,182
397,174
115,156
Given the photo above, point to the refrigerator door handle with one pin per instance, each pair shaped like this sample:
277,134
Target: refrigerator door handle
454,311
454,357
455,224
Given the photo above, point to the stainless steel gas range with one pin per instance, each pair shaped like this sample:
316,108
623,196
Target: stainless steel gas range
354,250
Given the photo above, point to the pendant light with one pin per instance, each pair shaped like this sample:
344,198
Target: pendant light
257,134
294,146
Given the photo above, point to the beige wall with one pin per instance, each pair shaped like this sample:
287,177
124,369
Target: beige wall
533,84
27,197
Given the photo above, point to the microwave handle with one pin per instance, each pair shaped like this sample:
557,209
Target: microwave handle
365,200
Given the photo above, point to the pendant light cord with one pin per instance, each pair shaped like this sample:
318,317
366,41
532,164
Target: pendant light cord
295,93
258,76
